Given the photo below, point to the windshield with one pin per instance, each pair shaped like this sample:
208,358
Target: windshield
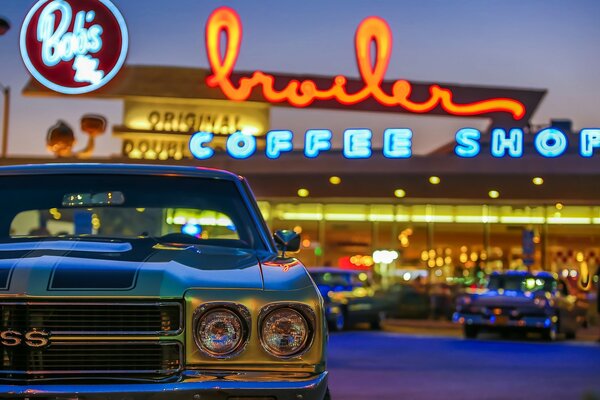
522,283
338,280
170,209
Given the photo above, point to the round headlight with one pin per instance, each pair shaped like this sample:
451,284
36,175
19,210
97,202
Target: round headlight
219,333
284,332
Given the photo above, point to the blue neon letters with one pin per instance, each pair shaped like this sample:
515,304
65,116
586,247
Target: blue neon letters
316,140
278,142
467,142
241,145
197,142
357,143
590,139
503,144
551,142
397,143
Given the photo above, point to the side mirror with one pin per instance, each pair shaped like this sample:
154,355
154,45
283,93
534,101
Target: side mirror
287,241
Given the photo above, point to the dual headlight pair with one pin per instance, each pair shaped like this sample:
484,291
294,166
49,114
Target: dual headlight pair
223,330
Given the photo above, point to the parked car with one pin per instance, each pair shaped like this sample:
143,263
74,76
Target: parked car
420,301
349,297
517,300
409,301
123,281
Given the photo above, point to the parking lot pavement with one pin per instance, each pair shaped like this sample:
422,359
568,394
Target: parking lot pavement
386,365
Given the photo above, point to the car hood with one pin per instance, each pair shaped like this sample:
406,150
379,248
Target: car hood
507,298
139,267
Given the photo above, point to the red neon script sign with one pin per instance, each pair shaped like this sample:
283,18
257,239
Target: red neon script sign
303,93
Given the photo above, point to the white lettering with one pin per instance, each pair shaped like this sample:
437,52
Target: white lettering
58,44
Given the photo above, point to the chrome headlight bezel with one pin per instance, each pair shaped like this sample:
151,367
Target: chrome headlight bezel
305,311
238,310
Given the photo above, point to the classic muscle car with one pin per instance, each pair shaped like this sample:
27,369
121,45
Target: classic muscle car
517,300
349,298
151,282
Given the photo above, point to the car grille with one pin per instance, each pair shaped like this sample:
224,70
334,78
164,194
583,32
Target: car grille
99,359
100,339
94,318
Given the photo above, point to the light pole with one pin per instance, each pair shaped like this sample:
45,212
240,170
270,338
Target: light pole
5,118
4,27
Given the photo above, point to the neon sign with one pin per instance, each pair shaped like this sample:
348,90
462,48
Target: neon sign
74,47
397,143
372,30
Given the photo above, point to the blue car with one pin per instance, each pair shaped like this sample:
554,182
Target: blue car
520,301
349,298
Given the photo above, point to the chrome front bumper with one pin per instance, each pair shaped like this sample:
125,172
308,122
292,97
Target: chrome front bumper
528,322
194,386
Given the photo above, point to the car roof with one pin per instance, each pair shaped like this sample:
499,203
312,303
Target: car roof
540,274
114,168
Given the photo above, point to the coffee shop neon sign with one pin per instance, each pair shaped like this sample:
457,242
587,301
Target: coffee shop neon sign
225,23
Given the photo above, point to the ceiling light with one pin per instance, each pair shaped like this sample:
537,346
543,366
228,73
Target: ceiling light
494,194
538,180
434,180
303,192
335,180
399,193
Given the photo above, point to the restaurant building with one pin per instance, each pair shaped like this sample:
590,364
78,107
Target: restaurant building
509,196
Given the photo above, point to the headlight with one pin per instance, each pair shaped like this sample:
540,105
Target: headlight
220,332
285,332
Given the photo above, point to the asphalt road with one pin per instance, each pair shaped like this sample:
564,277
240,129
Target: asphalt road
383,365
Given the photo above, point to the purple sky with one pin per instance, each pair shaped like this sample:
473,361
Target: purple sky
521,43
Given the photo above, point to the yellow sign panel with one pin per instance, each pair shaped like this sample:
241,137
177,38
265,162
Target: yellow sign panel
160,129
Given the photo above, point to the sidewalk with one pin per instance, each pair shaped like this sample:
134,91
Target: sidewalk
447,328
423,326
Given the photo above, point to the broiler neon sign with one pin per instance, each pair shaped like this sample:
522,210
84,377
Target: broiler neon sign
303,93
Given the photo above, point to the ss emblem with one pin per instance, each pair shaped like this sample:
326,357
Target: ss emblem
32,338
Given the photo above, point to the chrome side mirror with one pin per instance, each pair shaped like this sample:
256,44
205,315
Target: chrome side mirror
287,241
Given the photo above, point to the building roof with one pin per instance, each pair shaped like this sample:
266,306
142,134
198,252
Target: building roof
188,83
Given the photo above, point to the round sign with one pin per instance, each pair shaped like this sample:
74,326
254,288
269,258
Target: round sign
74,46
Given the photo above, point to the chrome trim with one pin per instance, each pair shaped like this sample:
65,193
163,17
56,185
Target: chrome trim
311,387
238,310
103,372
259,221
305,311
82,333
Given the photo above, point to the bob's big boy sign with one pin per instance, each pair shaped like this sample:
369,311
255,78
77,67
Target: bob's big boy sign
74,46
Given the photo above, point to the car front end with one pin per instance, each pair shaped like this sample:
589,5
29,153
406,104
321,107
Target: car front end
157,310
512,301
496,312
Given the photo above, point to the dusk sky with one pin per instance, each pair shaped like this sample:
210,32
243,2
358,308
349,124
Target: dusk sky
544,44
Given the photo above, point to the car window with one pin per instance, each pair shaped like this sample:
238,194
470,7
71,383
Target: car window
173,209
124,222
332,279
522,283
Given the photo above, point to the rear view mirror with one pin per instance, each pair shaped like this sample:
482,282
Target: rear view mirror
287,241
93,199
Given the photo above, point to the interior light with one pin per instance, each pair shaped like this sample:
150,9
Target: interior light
559,206
494,194
538,181
335,180
399,193
434,180
303,192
